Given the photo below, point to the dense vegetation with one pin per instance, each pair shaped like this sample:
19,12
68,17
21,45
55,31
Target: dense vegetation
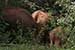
62,13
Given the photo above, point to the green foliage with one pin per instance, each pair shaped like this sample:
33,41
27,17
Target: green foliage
64,16
30,47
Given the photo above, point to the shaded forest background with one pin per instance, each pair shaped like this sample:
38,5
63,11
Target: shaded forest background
63,10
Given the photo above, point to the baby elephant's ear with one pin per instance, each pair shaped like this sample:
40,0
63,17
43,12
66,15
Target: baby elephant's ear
35,15
40,16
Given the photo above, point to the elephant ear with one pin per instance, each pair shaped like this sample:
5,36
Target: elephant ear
40,17
35,15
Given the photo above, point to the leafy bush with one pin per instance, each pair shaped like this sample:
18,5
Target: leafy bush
61,11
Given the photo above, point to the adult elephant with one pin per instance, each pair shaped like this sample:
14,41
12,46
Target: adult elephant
17,16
